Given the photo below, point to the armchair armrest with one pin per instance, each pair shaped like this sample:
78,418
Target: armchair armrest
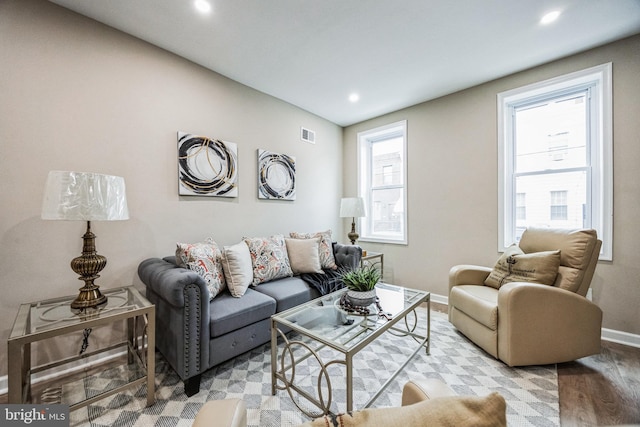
465,274
542,324
418,390
230,412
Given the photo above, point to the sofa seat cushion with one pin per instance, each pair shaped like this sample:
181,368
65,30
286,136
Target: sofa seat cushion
288,292
478,302
228,313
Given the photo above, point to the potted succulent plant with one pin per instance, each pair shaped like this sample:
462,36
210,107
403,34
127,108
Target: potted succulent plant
361,283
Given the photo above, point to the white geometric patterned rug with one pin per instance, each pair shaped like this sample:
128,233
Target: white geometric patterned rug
531,393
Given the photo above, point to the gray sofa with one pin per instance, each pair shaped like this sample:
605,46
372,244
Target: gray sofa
195,334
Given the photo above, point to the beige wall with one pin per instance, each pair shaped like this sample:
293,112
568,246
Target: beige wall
452,166
77,95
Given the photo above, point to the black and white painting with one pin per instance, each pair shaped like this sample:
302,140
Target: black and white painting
207,166
276,176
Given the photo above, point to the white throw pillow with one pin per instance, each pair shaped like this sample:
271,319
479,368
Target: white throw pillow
304,255
238,270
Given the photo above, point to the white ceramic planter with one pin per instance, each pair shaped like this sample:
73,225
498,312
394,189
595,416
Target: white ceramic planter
361,299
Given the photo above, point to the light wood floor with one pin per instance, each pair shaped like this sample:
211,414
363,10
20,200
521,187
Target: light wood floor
600,390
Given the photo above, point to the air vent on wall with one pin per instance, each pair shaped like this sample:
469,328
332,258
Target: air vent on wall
307,135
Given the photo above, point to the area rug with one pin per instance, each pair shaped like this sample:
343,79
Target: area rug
531,393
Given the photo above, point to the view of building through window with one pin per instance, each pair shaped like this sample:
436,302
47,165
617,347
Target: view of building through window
551,163
382,183
386,195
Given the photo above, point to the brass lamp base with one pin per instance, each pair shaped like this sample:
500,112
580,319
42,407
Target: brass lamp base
353,236
88,265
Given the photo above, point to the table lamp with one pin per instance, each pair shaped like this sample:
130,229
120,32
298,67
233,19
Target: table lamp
84,196
352,207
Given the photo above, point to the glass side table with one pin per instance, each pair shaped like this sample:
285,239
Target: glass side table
373,258
131,360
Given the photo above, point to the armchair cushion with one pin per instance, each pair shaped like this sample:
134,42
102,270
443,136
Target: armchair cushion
516,266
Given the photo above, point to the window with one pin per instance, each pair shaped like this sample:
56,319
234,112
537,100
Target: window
558,206
555,156
382,177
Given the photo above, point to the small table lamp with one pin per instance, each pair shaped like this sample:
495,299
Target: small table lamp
352,207
85,197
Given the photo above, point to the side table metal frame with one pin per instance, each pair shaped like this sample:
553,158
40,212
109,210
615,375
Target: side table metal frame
140,347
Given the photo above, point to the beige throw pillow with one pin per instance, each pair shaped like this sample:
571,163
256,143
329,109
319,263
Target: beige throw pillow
238,270
327,260
304,255
453,411
516,266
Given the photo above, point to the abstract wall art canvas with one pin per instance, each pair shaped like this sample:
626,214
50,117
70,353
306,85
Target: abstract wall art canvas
207,166
276,176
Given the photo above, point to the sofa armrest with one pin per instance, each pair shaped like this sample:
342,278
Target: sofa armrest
181,298
540,324
168,280
418,390
347,256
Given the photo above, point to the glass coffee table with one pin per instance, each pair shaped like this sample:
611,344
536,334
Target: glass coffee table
323,323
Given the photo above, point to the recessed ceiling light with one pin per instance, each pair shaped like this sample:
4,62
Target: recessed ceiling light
203,6
550,17
354,97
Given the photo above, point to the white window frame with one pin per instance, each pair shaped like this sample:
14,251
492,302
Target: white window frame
365,165
601,151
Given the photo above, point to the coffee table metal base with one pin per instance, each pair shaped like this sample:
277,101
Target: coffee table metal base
295,351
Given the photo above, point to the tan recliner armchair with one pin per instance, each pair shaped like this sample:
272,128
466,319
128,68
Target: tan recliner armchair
528,323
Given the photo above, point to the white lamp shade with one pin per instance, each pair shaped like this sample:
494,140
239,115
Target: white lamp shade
84,196
352,207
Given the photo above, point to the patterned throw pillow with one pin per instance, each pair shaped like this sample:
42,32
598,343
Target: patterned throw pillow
269,258
205,259
327,260
516,266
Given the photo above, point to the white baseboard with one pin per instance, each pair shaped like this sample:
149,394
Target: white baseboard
620,337
612,335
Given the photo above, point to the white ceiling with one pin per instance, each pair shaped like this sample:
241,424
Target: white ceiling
314,53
